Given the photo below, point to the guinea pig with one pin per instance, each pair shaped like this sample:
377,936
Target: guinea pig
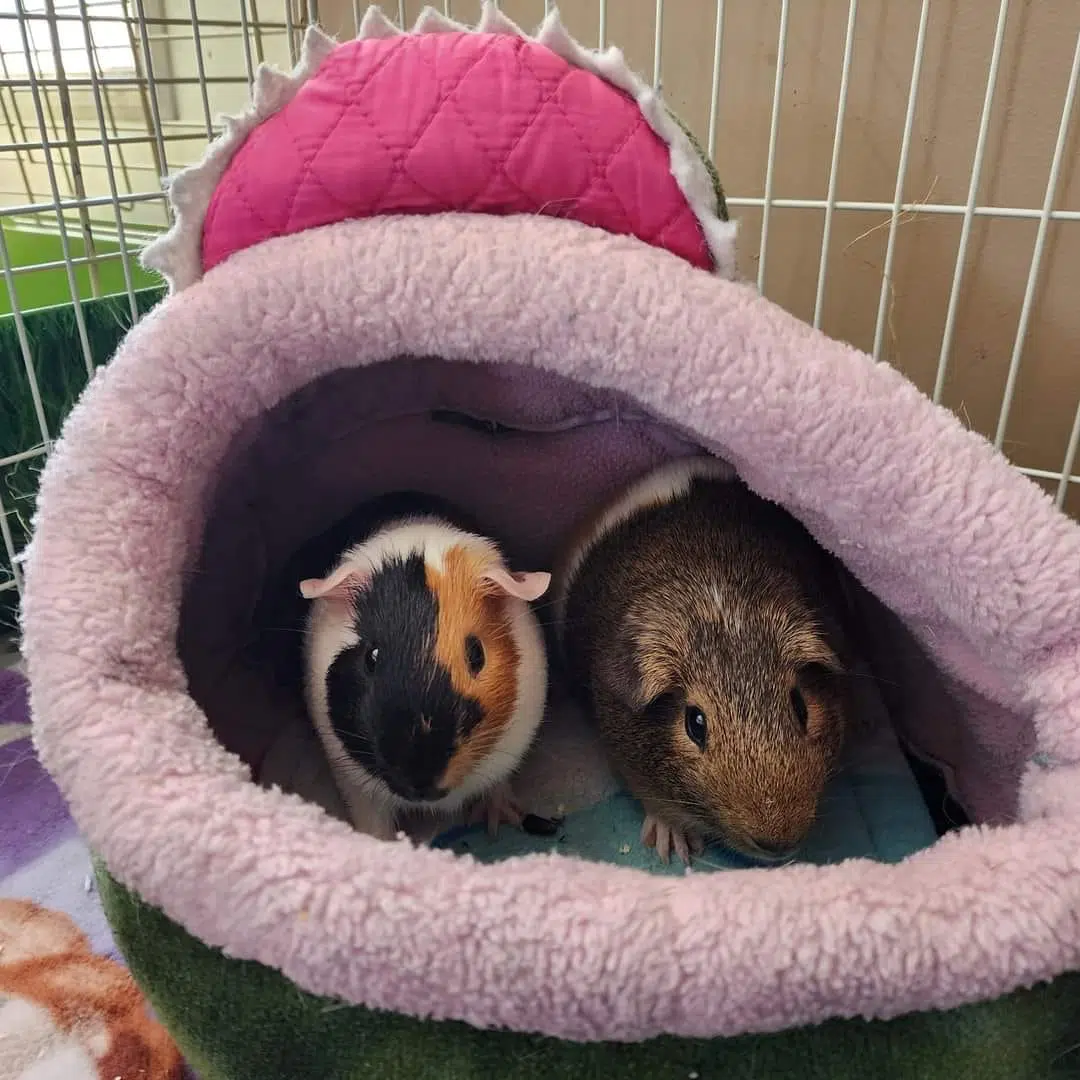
426,673
702,624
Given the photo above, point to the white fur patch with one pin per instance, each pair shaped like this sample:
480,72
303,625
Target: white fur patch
422,535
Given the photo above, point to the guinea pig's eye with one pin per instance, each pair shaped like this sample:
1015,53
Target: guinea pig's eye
371,659
798,707
474,655
696,727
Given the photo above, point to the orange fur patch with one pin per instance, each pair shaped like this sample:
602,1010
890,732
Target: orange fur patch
469,606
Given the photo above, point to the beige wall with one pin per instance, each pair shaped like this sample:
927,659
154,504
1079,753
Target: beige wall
1034,70
24,177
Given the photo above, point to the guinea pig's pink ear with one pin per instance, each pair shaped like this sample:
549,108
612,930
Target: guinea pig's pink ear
524,586
340,585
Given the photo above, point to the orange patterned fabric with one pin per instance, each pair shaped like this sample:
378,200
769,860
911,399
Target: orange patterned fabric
69,1013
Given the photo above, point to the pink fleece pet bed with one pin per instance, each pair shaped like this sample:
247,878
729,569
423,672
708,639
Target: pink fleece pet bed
528,239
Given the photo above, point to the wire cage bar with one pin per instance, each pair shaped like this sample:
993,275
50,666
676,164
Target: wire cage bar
99,99
901,177
1040,246
973,191
834,163
774,138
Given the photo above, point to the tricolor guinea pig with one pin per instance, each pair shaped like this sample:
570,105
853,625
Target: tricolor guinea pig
703,626
426,674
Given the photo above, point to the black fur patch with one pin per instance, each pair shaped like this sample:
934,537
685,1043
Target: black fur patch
279,619
401,721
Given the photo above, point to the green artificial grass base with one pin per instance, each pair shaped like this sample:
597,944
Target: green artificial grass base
48,285
239,1020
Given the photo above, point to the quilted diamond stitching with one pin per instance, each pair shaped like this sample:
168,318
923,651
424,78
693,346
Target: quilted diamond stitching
446,102
602,171
233,184
328,71
678,208
497,163
401,162
676,220
599,198
230,181
309,173
571,127
531,121
359,104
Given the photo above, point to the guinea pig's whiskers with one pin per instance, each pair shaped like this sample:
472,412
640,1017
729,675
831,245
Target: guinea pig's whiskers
504,759
346,763
686,802
341,760
571,622
684,808
362,782
871,677
341,733
545,606
700,860
837,770
375,790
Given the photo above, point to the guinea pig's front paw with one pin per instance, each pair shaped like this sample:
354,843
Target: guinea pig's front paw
498,807
664,838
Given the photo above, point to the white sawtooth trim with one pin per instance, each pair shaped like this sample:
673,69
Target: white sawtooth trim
177,254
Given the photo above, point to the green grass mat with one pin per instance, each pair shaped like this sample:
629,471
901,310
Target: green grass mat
49,287
237,1020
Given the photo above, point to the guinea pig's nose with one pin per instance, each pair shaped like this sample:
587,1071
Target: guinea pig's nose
413,790
773,850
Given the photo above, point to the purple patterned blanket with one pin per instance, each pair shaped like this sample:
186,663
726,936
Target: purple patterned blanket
69,1010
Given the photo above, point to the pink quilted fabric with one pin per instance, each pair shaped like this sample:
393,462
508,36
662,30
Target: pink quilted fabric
485,123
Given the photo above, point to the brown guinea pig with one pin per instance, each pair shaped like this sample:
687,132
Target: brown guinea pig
426,672
701,624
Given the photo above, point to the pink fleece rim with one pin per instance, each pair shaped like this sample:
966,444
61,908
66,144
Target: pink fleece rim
547,944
